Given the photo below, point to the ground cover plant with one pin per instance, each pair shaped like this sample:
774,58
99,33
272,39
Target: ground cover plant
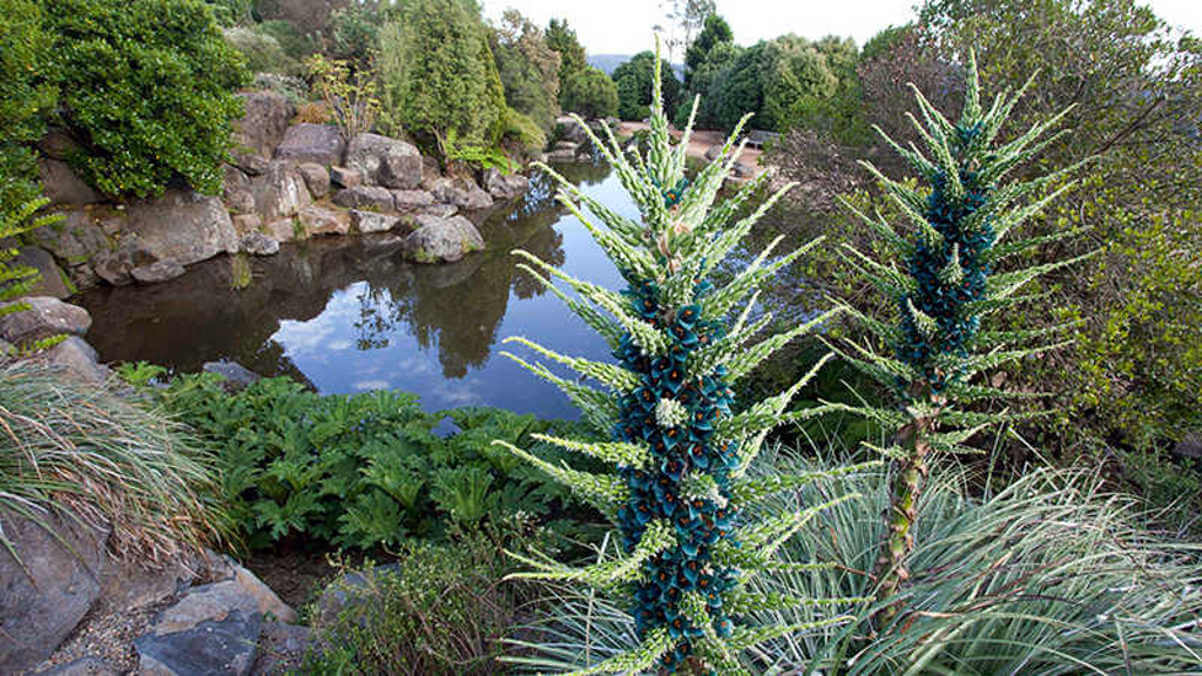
360,471
679,494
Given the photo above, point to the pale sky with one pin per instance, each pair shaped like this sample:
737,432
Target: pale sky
624,26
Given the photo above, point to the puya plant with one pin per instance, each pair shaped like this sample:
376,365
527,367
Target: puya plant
679,493
945,282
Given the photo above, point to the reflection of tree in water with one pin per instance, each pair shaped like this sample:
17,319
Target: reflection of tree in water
460,305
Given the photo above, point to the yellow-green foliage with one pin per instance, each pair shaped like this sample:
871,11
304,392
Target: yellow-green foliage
524,131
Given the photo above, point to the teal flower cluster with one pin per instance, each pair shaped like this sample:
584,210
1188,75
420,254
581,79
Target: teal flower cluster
660,491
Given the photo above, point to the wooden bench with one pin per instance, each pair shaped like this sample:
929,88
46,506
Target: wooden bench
756,138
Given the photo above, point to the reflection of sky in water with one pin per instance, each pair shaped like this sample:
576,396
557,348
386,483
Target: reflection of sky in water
325,348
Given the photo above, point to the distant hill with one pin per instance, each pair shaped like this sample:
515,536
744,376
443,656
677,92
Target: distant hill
608,62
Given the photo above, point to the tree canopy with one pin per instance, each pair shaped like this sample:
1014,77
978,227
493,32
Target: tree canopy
634,80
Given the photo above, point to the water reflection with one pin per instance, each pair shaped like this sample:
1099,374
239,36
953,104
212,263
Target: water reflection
348,314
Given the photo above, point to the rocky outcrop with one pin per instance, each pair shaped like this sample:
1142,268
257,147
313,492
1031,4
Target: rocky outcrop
159,271
371,221
261,129
43,318
74,240
258,244
345,178
442,240
320,221
461,192
63,186
281,192
45,594
78,360
385,161
412,200
317,179
184,226
51,280
365,197
306,142
505,186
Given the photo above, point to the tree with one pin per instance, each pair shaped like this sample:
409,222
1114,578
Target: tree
563,40
769,79
147,88
634,79
591,94
702,83
439,76
685,18
1135,374
528,67
715,32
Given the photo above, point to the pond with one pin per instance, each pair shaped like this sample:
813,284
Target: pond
348,314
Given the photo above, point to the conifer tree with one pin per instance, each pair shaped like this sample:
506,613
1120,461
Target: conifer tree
962,229
691,531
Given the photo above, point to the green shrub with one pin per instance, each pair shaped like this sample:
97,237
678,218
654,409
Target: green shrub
528,67
261,51
634,82
351,99
84,452
295,44
523,131
24,97
439,609
572,59
590,93
148,87
354,35
357,471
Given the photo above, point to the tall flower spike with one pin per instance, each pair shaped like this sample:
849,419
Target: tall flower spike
946,286
678,448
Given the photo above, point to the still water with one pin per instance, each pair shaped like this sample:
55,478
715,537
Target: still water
349,315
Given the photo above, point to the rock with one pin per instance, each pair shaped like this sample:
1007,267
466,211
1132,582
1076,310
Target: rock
262,128
385,161
159,271
306,142
63,186
742,170
567,129
84,666
240,202
713,152
245,224
1190,446
371,221
269,603
365,196
319,221
440,210
51,280
234,373
114,266
317,178
58,144
411,200
45,595
284,230
280,192
561,156
74,240
258,244
505,187
462,193
251,164
214,602
79,360
348,591
442,239
346,178
225,646
127,586
282,648
566,146
183,225
45,317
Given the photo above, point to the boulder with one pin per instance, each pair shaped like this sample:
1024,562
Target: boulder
240,202
158,271
225,646
45,594
713,153
505,187
319,221
307,142
567,129
84,666
58,144
561,156
63,186
280,192
317,178
385,161
237,376
345,178
282,648
258,244
284,230
245,224
127,586
566,146
461,192
348,591
741,170
79,360
1190,446
51,281
365,197
371,221
262,128
440,210
74,239
411,200
182,225
442,239
44,317
250,163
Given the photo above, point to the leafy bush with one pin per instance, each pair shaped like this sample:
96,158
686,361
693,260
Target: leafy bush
1053,575
634,83
438,76
523,131
148,87
17,280
350,98
528,67
295,44
84,452
572,59
439,609
261,51
590,93
24,97
679,495
354,35
357,471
